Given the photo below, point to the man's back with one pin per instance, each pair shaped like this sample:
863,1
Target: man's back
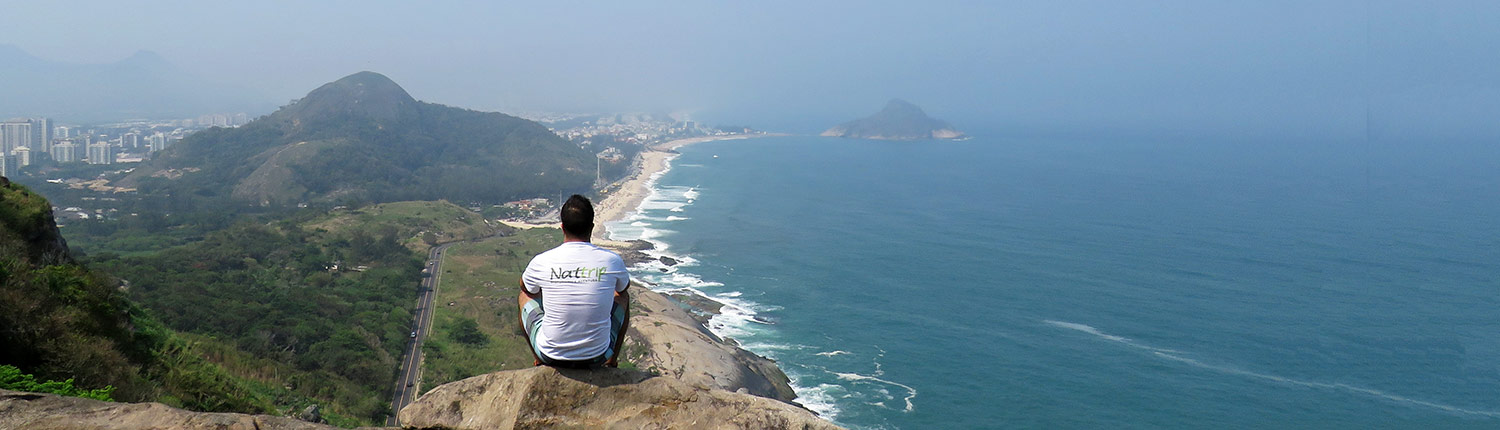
577,282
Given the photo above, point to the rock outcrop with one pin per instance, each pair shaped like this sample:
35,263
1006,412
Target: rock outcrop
666,339
32,411
544,397
898,121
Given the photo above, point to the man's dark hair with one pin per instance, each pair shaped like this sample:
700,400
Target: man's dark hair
578,217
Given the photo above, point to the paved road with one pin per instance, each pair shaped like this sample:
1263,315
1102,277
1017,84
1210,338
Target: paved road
408,383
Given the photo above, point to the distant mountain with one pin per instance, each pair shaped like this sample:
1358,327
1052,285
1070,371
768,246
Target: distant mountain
363,138
898,121
142,86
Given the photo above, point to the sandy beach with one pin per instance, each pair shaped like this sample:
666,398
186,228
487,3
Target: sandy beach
624,196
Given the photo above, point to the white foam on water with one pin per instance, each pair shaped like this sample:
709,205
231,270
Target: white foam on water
688,280
821,399
1176,356
832,353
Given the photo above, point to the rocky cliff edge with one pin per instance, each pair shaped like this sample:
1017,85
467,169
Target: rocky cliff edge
544,397
540,397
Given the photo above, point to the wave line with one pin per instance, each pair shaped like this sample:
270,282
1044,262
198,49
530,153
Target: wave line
1337,386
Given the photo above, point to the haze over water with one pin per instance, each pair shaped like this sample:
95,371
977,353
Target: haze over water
1100,283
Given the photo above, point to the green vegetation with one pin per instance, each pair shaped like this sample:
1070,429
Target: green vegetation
11,378
417,224
362,138
319,305
62,321
480,281
58,319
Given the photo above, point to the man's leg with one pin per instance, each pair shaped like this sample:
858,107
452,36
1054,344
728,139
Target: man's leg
619,321
530,312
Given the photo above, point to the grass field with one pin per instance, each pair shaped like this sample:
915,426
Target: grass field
445,221
479,282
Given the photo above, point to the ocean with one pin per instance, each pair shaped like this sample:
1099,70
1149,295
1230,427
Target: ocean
1099,283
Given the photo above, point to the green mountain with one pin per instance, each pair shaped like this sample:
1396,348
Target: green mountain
363,138
898,121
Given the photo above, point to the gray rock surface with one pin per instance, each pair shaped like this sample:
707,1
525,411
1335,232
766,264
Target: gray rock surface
544,397
667,339
32,411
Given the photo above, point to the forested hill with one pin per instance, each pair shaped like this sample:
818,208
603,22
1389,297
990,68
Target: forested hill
363,138
57,318
62,321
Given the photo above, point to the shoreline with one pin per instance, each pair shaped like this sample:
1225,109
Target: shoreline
685,323
628,194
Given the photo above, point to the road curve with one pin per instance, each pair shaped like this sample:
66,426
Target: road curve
408,381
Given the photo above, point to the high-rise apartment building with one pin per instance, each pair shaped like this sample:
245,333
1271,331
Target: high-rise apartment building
65,152
23,156
63,132
157,141
101,153
41,134
8,165
13,134
130,140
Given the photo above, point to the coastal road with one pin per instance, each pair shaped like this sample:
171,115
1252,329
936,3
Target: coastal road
408,382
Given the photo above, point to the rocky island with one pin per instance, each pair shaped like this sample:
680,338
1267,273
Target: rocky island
899,120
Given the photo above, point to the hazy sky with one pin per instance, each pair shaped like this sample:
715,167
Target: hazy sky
1269,67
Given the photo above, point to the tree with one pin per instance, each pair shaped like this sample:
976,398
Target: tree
467,332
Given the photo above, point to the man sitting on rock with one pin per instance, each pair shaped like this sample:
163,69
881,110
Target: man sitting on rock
574,306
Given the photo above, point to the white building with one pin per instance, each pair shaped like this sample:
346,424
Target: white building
41,134
14,134
101,153
65,152
23,156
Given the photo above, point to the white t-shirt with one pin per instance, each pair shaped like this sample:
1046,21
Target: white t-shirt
578,282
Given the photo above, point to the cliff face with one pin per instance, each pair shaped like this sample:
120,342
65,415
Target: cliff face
27,227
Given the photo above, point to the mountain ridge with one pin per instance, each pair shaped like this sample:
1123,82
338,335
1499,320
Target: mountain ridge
364,137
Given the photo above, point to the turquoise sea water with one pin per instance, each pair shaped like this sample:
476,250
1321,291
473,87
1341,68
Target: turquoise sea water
1033,283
